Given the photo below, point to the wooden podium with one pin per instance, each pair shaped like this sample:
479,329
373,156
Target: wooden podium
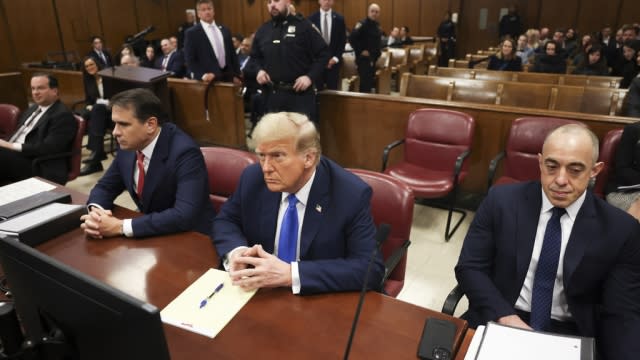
120,78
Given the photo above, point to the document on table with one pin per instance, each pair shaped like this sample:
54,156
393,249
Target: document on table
222,304
22,189
504,342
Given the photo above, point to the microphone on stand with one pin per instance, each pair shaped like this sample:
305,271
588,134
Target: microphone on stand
381,236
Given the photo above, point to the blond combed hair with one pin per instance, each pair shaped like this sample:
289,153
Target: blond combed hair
289,125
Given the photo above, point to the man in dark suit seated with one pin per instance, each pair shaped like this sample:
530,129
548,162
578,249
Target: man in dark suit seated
160,166
297,219
98,52
46,128
208,49
334,33
172,59
550,256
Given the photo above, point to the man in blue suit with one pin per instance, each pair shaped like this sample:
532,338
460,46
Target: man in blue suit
160,166
592,289
208,49
172,59
297,219
334,32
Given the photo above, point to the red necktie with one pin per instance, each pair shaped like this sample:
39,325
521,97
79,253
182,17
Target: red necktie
140,162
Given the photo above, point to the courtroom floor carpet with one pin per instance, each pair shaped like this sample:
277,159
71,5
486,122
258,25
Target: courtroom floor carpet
431,260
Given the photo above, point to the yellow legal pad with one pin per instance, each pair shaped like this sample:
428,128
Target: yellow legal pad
185,311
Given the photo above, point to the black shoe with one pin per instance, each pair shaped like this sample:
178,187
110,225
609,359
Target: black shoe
94,157
91,168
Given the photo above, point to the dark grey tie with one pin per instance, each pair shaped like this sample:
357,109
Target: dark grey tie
325,28
26,125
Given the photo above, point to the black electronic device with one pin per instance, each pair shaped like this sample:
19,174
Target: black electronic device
66,314
437,338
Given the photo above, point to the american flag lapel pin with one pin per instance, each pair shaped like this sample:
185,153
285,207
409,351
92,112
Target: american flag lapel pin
318,208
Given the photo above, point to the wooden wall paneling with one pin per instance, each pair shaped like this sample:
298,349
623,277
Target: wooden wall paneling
17,95
407,13
629,12
592,15
354,11
32,42
8,61
253,15
176,13
555,14
229,13
118,21
153,12
386,14
78,22
431,15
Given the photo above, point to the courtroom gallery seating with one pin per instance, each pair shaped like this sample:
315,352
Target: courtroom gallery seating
437,142
224,167
524,143
608,148
9,115
74,156
392,204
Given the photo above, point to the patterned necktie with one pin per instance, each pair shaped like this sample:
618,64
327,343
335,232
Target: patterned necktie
218,47
165,61
325,28
546,271
22,130
140,163
288,241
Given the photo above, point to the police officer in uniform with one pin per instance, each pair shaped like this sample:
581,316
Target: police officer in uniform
365,40
288,55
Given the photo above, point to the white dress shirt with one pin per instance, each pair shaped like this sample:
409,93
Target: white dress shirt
559,307
17,143
212,30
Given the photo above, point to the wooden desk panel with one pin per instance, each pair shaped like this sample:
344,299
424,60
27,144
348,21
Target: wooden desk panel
275,324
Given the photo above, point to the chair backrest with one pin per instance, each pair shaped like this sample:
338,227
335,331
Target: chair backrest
436,137
75,161
391,203
524,143
608,149
224,167
9,115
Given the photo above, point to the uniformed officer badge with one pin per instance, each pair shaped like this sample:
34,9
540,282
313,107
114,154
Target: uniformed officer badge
291,29
358,25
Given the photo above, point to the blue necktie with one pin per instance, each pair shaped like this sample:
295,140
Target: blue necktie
289,232
546,271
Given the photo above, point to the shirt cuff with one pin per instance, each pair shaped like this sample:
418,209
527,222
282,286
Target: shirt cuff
16,146
295,278
335,58
89,206
225,261
127,228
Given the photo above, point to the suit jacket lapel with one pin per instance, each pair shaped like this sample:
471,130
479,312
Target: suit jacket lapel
580,238
269,204
527,219
313,216
157,168
210,48
128,159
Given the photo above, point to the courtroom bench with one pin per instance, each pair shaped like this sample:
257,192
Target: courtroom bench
592,100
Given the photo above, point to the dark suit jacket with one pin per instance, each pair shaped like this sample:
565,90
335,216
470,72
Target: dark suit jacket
175,64
53,134
97,58
338,32
176,188
338,235
201,58
601,267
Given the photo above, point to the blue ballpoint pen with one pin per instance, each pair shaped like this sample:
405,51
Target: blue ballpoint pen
204,301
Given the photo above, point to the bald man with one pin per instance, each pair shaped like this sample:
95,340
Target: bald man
365,40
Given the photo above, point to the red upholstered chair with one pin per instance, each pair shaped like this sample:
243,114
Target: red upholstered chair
75,155
392,204
224,167
9,115
436,145
524,143
608,149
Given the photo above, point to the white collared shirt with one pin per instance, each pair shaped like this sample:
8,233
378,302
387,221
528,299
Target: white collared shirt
17,143
211,32
559,306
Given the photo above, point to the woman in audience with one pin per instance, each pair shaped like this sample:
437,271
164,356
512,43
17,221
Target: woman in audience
594,63
533,38
149,58
579,53
627,172
96,113
524,51
125,50
550,61
505,59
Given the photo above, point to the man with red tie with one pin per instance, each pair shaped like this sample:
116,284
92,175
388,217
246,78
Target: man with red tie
160,166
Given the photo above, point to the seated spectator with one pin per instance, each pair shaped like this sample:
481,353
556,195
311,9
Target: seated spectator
630,66
533,38
149,58
550,61
505,59
571,41
45,128
129,60
579,53
236,40
524,51
393,40
594,63
97,114
405,39
627,170
125,50
172,60
98,52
